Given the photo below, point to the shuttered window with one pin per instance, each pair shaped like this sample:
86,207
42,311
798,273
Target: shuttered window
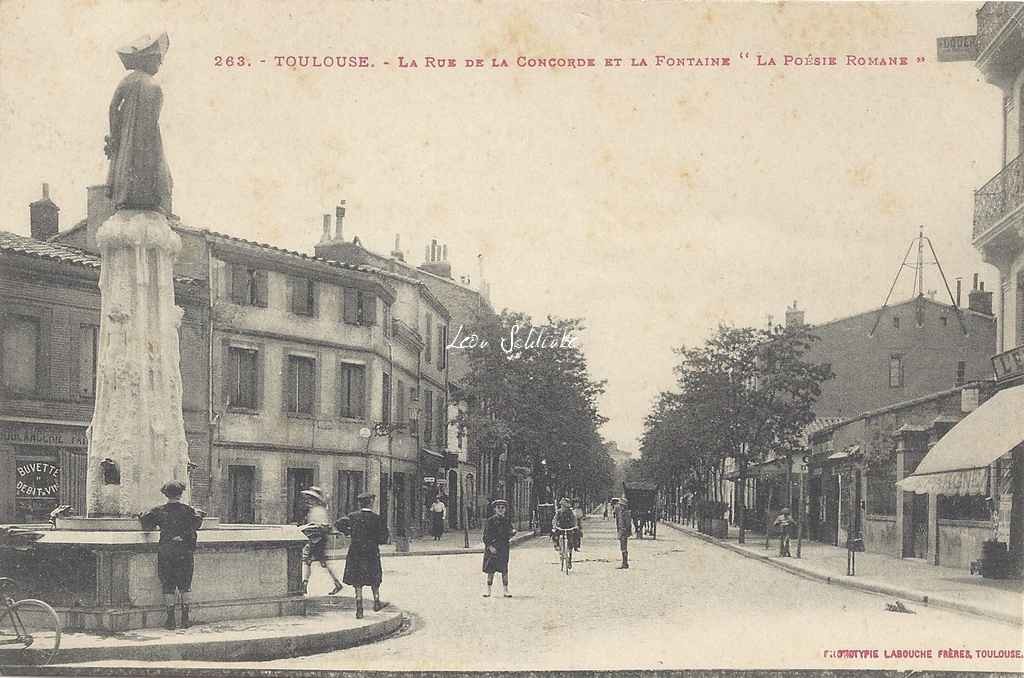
20,354
242,378
303,293
300,385
248,286
351,391
88,345
358,307
428,416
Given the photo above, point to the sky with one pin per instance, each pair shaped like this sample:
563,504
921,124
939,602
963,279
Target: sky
654,202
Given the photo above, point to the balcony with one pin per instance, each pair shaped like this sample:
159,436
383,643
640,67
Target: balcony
1000,42
1003,194
991,18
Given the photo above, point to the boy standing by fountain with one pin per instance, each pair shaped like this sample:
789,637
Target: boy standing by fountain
178,523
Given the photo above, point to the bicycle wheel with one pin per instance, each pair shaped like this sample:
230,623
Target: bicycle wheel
37,625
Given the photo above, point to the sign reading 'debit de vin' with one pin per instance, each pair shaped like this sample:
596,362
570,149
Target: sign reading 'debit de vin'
957,48
37,479
1009,363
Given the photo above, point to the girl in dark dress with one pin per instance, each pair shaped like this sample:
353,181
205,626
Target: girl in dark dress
497,532
362,565
178,523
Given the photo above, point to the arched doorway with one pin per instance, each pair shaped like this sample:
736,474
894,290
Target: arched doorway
453,500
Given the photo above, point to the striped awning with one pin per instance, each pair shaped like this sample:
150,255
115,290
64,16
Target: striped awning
958,463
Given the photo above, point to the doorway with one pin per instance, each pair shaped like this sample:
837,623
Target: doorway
299,479
241,494
453,500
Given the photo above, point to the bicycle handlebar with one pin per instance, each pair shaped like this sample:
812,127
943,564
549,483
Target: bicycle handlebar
565,529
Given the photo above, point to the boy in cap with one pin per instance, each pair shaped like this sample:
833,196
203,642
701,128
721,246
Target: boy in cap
498,531
316,529
362,565
624,528
178,523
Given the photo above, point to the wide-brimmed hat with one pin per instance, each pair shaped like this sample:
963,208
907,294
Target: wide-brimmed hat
141,48
499,502
316,493
173,488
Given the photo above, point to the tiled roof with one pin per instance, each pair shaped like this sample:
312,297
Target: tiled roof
19,244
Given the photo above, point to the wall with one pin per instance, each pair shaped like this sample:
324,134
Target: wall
960,542
880,535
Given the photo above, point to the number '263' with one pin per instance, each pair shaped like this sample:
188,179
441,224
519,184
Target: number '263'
230,61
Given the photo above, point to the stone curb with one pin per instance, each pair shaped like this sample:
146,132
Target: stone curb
859,584
339,554
259,648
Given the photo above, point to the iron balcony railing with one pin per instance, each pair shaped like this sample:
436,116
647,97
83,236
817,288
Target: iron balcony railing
1001,195
991,18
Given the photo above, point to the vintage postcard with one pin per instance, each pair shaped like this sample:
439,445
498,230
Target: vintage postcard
511,336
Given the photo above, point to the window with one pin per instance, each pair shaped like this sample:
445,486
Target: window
248,286
351,391
350,485
20,354
428,417
441,430
387,320
895,370
881,497
88,345
896,322
359,307
400,409
300,385
961,372
944,320
297,479
241,378
241,494
386,399
303,295
442,346
428,345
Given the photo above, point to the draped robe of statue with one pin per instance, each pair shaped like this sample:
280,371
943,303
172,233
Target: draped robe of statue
139,177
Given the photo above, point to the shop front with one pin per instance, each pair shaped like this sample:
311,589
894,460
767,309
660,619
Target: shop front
44,467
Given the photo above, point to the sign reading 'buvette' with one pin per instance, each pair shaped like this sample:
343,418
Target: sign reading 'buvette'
38,479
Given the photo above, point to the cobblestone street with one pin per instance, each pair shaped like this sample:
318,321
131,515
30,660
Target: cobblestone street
683,604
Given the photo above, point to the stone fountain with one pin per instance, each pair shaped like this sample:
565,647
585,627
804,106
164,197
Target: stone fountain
99,571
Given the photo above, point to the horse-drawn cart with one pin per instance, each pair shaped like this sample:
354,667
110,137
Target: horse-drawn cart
643,506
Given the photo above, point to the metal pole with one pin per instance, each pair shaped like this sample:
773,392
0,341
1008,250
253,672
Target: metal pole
465,517
804,509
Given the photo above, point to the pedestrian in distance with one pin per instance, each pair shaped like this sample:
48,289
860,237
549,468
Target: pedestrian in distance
498,531
175,559
605,516
438,512
783,523
362,565
624,528
316,529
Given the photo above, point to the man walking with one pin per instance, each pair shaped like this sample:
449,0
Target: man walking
362,565
624,527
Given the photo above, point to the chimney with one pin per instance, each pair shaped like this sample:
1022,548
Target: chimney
326,237
99,208
794,316
339,216
43,216
979,300
444,253
397,252
959,281
436,262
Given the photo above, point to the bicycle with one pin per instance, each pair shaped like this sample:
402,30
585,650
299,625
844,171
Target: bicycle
30,623
565,547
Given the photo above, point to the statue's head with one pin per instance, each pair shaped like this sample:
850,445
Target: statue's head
145,54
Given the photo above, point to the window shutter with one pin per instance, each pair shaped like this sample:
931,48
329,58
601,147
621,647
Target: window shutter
307,385
261,289
292,306
238,284
351,310
225,377
442,347
287,384
359,391
369,309
428,344
259,380
314,298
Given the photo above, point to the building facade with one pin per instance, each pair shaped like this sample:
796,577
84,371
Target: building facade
49,322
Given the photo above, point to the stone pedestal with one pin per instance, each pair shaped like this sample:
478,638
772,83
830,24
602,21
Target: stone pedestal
137,440
105,579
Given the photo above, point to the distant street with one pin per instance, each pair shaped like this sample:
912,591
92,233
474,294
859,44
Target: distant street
683,604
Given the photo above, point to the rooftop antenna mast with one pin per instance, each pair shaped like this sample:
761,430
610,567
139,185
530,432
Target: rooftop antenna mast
919,290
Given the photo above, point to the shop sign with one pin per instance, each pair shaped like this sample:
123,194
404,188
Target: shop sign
429,480
957,48
30,434
37,479
1008,363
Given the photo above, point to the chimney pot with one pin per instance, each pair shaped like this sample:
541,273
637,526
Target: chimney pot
444,253
339,217
44,217
958,281
975,282
46,191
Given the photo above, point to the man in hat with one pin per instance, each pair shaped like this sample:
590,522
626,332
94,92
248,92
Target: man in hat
178,523
139,177
565,519
316,529
362,565
498,531
624,528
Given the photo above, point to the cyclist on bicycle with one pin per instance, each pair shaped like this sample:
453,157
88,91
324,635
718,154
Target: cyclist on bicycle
565,519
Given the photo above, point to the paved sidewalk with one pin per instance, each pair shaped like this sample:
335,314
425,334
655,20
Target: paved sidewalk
451,543
908,580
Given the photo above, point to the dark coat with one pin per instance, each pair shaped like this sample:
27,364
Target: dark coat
497,531
368,532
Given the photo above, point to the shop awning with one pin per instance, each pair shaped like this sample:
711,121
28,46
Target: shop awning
958,463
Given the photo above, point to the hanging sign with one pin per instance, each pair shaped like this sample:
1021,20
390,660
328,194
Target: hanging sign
37,479
957,48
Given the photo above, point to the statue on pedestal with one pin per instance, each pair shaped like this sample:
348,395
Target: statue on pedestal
139,177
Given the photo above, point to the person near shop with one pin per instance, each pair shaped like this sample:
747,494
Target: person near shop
624,528
316,529
175,560
782,523
362,565
498,531
438,513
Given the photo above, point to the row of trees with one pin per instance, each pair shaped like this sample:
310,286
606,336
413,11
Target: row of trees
746,394
534,404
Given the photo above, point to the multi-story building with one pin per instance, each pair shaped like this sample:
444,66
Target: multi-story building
49,327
